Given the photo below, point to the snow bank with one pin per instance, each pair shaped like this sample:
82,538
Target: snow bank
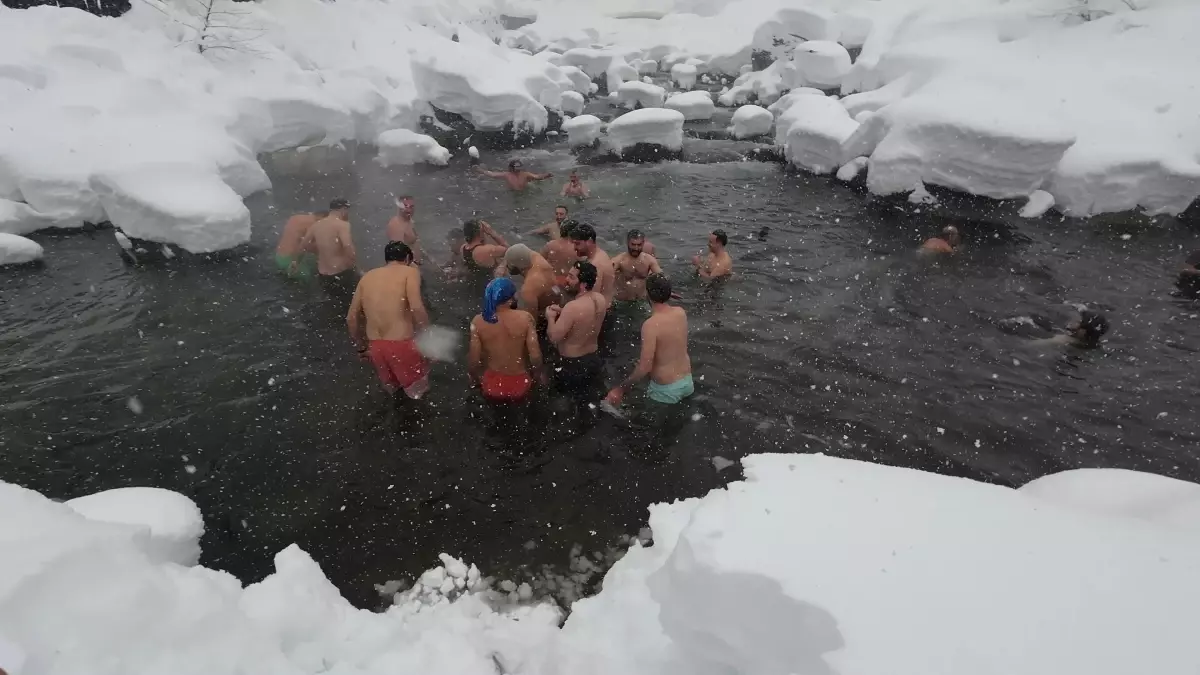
173,521
1122,493
654,126
580,82
404,147
763,86
695,105
583,130
882,568
822,64
634,94
812,132
751,120
17,250
684,75
176,204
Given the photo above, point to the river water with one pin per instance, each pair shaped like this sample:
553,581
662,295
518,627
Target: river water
832,338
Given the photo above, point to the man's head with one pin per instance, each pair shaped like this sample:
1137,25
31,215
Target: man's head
574,177
472,230
566,226
582,277
408,205
397,251
518,259
498,293
584,238
1090,327
717,241
560,214
658,288
340,208
951,235
515,166
635,241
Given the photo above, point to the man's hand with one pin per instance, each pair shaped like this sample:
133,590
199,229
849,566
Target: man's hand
364,353
696,261
615,395
552,312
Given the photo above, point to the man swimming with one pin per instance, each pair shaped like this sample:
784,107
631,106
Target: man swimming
553,229
537,289
289,249
947,243
1188,282
631,269
504,350
583,236
330,239
717,263
575,331
400,227
517,178
477,253
664,357
386,314
1084,333
575,187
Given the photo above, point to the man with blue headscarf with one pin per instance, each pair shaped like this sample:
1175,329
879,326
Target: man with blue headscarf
504,348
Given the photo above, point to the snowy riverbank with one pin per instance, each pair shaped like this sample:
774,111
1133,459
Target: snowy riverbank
813,564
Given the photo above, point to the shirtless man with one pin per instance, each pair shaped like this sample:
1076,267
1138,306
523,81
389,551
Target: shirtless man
575,331
400,227
575,187
947,243
1084,333
517,178
632,268
330,239
560,253
664,354
385,315
583,236
537,289
477,253
717,263
553,229
504,348
289,250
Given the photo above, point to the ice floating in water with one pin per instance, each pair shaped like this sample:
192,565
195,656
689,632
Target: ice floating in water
16,250
439,343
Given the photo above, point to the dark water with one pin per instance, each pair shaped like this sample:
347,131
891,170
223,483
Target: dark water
832,338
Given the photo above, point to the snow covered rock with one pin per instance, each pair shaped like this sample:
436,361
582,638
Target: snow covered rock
173,521
1121,493
593,62
174,204
634,94
404,147
572,102
695,105
684,75
781,106
812,132
17,250
645,66
1039,203
583,130
656,127
822,64
751,120
580,82
851,169
618,73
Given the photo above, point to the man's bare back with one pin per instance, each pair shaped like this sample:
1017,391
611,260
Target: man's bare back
293,233
631,273
579,324
606,282
506,347
389,298
330,239
560,253
667,328
537,289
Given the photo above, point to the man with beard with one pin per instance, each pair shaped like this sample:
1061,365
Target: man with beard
575,331
560,253
717,264
553,229
631,269
583,237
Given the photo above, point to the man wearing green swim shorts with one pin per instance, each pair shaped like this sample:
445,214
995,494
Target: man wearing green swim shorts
631,269
289,249
664,356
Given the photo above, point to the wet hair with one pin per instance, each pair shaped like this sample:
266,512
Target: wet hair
513,164
1094,325
566,227
587,273
397,251
634,234
339,204
471,229
583,232
721,237
560,206
658,287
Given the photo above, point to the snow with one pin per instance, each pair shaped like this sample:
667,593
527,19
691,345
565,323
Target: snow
764,86
579,79
656,126
786,101
593,62
751,120
583,130
1164,501
17,250
812,132
404,147
695,105
851,169
822,64
172,520
684,75
174,203
634,94
1038,204
572,102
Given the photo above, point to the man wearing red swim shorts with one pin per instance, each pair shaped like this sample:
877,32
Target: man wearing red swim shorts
504,346
385,315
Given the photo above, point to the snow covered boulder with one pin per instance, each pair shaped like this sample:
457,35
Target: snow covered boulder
173,521
593,62
174,204
580,82
404,147
645,66
583,130
659,128
764,86
633,95
1123,493
751,120
822,64
572,102
787,100
684,75
17,250
695,105
812,132
618,73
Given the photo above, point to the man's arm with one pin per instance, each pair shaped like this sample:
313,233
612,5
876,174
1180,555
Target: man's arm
475,356
491,234
489,174
544,230
1190,271
538,176
558,325
356,321
412,293
723,267
563,191
655,268
535,350
645,362
348,244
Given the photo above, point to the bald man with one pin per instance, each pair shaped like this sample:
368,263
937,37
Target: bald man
537,290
